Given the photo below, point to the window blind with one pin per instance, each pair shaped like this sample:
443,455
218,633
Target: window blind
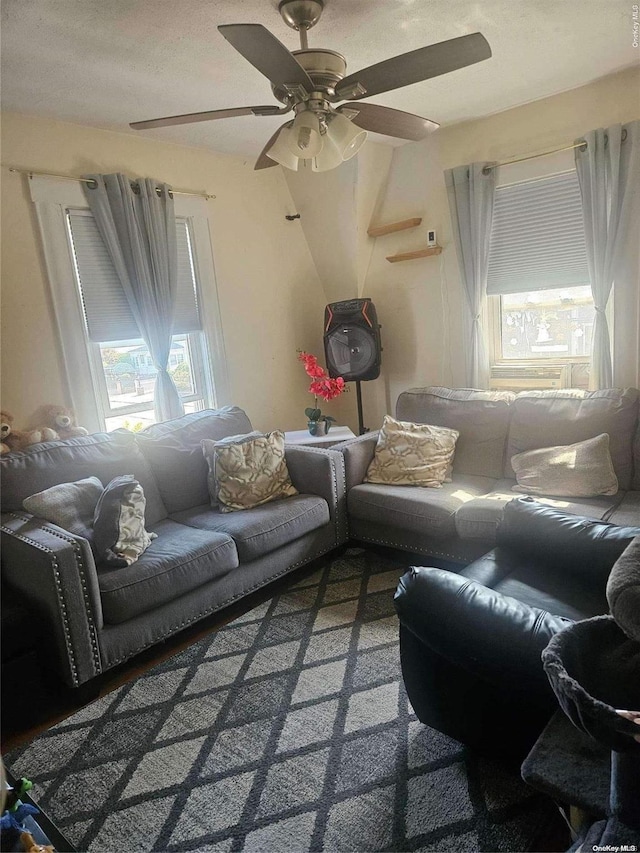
106,310
537,236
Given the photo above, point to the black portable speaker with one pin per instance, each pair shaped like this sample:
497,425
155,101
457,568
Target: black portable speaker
352,346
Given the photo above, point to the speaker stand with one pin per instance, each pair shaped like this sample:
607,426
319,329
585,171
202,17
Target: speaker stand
361,427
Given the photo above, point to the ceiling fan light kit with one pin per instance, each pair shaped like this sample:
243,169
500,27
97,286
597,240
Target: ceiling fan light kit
304,138
280,151
311,81
329,158
346,135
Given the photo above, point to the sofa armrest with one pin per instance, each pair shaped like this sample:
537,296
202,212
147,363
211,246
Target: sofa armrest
358,453
56,572
489,634
321,472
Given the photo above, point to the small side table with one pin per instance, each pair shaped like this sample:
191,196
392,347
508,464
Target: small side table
302,437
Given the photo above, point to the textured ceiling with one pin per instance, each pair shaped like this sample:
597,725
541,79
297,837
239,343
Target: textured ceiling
109,62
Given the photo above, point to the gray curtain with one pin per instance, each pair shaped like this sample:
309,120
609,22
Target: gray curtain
609,175
137,224
471,192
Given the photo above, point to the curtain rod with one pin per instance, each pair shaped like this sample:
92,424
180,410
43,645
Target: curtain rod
30,173
487,169
582,145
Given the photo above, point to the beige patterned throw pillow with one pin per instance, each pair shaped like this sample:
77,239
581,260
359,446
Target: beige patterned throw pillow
409,454
250,472
580,470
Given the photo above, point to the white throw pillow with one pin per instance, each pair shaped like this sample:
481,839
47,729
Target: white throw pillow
580,470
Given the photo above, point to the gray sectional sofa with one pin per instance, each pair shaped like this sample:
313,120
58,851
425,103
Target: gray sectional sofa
202,560
458,521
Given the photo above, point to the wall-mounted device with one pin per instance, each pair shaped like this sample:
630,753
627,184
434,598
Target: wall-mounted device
431,238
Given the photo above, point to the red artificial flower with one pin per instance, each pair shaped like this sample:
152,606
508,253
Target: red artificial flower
311,365
327,388
322,385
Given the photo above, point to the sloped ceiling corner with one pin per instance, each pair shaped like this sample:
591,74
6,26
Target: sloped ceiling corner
335,210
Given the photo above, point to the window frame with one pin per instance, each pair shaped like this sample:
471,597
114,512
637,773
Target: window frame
52,200
530,170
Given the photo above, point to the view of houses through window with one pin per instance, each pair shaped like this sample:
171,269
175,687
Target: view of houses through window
129,376
550,324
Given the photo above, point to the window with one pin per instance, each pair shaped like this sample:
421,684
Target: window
555,323
96,330
123,368
540,302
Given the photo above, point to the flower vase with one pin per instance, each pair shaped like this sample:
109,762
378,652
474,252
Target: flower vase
318,428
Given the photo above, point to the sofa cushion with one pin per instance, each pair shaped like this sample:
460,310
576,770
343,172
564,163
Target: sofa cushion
99,455
478,518
580,470
410,454
429,511
175,455
69,505
264,528
627,512
550,418
556,592
481,418
179,560
558,541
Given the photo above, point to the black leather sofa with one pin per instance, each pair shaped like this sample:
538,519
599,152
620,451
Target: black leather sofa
471,642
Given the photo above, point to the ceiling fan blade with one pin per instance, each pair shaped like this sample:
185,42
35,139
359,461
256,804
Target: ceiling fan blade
267,54
210,115
264,162
390,122
417,65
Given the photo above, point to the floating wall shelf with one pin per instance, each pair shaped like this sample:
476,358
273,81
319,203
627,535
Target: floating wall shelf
411,256
381,230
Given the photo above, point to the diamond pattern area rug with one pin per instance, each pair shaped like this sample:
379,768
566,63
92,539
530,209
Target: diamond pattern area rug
287,730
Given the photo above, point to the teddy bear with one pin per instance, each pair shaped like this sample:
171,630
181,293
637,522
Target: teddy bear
18,439
58,419
6,422
30,845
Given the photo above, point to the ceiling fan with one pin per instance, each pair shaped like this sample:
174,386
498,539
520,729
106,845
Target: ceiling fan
310,81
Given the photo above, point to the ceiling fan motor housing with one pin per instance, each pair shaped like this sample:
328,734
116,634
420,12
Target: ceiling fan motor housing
325,67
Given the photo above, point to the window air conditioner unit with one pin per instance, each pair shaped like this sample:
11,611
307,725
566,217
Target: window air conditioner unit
530,378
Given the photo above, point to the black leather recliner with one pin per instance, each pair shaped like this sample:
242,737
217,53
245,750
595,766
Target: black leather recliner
471,642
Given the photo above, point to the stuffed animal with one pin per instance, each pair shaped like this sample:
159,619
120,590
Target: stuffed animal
58,419
13,821
18,439
30,845
6,425
13,793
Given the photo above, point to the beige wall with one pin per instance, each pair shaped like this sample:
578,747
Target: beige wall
272,289
270,296
420,302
